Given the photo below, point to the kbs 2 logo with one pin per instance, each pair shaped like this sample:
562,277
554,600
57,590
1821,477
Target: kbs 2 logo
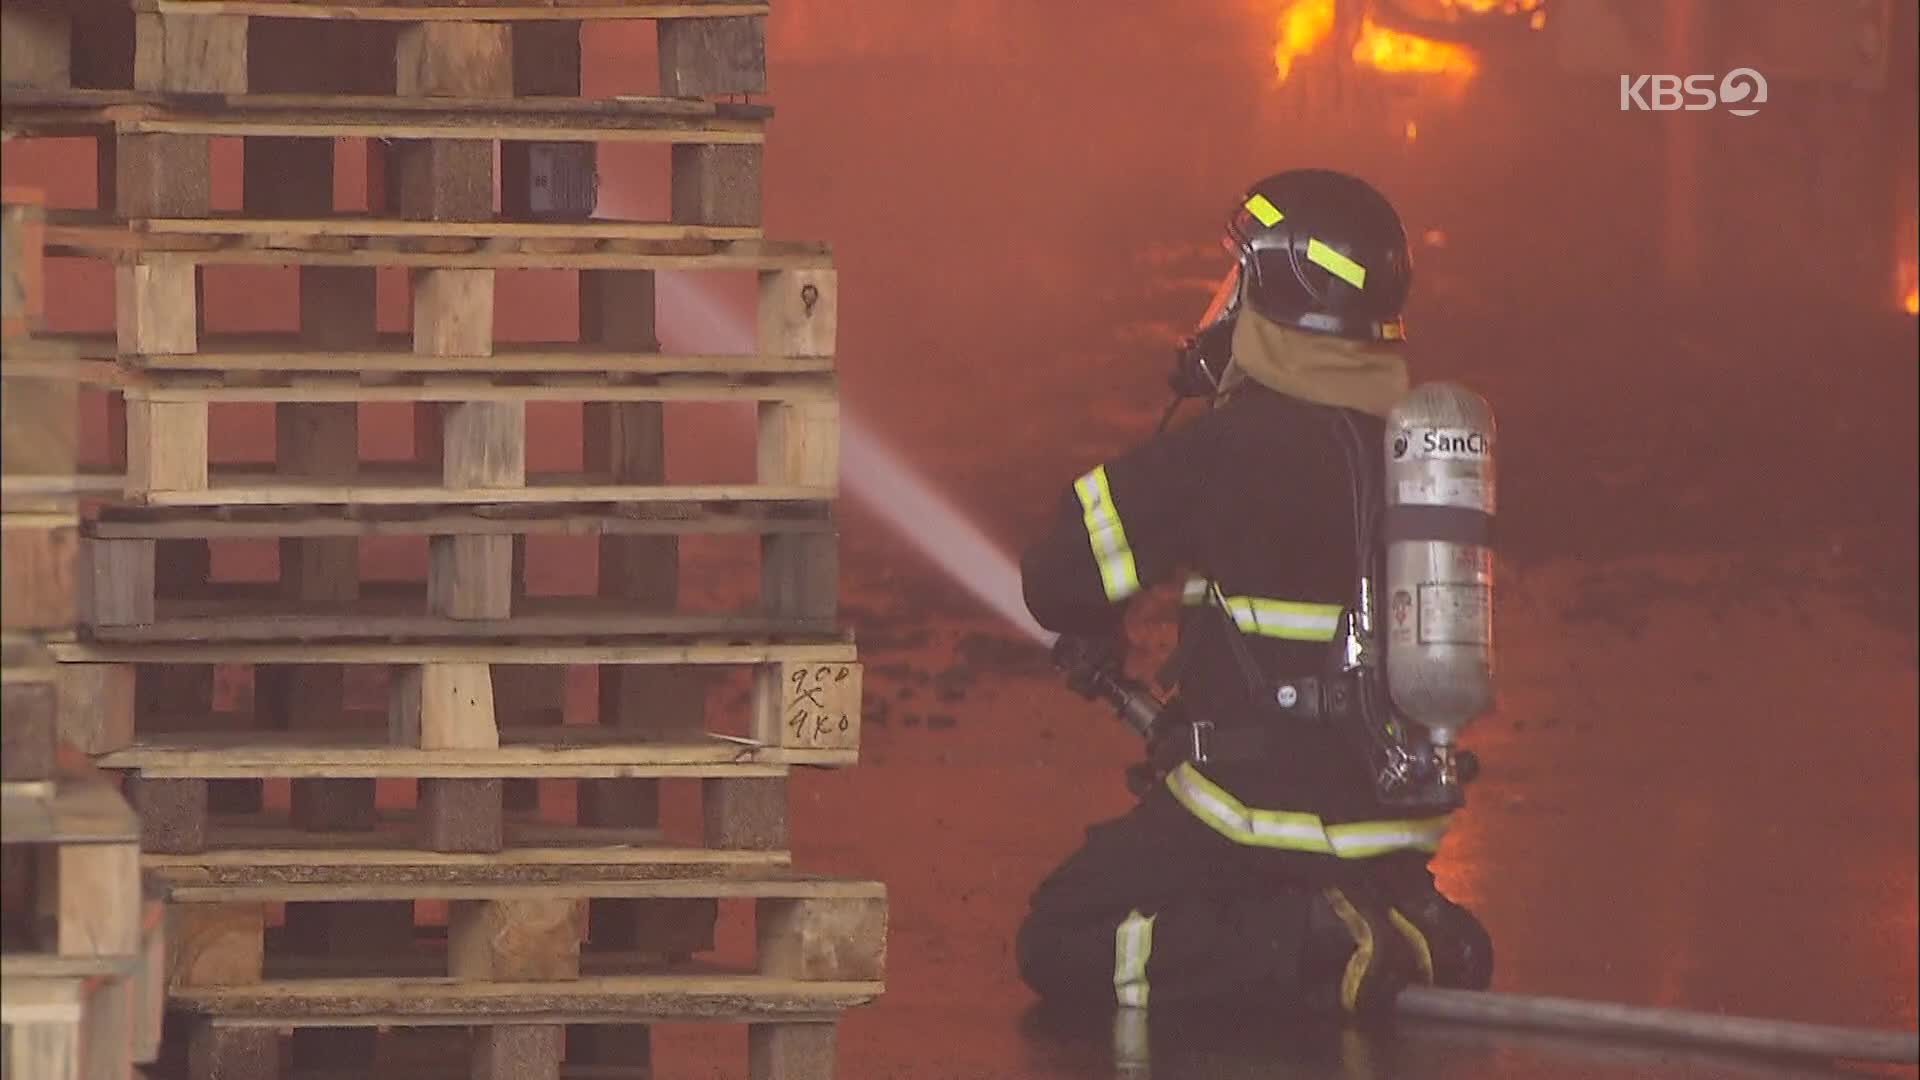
1741,90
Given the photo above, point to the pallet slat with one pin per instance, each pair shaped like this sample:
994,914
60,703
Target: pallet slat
446,251
117,105
293,626
237,488
667,518
492,10
615,999
265,756
456,653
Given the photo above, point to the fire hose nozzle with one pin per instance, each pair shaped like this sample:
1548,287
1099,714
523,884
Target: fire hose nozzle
1093,671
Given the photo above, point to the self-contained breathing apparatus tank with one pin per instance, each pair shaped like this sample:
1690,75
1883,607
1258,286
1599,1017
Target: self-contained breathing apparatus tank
1438,589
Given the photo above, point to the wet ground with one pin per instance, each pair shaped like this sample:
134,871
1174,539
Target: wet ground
1700,786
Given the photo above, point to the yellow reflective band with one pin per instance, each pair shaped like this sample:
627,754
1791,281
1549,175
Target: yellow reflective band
1295,831
1110,551
1132,946
1422,951
1292,620
1289,620
1264,211
1337,264
1365,839
1353,979
1240,823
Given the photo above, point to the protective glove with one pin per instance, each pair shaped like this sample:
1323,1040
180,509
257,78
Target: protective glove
1166,748
1085,659
1355,958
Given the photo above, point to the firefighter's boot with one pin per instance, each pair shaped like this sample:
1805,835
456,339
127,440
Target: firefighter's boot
1451,948
1356,960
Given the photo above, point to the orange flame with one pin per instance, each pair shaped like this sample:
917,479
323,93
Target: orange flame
1489,7
1397,51
1303,25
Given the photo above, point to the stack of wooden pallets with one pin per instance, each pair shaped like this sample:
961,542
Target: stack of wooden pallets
82,968
311,844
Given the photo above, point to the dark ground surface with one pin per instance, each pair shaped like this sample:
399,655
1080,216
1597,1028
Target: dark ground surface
1700,782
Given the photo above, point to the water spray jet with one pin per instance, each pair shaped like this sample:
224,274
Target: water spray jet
874,473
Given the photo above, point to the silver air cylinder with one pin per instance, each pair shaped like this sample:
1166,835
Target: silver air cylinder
1437,603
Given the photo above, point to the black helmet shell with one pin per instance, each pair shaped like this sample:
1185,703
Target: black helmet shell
1323,252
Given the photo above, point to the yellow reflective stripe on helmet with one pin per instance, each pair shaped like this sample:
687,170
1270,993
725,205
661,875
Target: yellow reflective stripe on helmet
1132,946
1337,264
1297,831
1109,539
1264,211
1292,620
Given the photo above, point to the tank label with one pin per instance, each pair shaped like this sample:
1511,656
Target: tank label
1456,615
1442,444
1462,491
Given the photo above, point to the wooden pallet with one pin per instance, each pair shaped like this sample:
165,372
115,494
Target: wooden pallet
548,937
430,96
361,116
567,929
238,48
443,728
806,927
596,1031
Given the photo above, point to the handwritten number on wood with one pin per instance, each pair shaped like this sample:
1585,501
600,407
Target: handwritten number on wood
815,711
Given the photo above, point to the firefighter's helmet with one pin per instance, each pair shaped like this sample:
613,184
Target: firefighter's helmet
1323,252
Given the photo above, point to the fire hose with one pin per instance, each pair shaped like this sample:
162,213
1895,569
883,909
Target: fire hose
1091,674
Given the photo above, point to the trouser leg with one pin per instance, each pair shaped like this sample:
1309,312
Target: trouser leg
1156,907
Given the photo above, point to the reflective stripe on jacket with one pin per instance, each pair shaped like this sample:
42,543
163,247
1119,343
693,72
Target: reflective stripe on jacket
1288,620
1289,830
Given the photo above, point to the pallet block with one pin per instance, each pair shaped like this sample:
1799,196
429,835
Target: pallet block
39,574
190,53
29,729
22,247
711,57
155,175
36,46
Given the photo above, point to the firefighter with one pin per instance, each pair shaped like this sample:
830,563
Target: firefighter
1261,858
